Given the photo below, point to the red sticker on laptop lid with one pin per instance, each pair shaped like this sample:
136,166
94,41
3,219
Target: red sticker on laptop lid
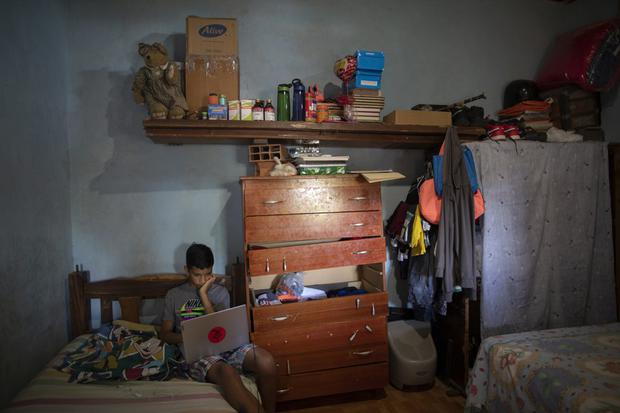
217,334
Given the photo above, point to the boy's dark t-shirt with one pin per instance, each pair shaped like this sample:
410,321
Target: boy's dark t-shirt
183,302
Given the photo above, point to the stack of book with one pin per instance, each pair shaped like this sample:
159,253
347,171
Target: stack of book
335,112
363,105
535,114
321,164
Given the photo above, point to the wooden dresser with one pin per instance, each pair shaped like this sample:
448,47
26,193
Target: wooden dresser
333,225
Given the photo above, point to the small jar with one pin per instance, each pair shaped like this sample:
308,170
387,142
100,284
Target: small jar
223,100
322,112
212,99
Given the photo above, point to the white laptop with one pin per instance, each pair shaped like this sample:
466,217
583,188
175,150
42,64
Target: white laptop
214,333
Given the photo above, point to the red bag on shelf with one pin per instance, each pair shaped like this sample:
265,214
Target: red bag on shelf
588,57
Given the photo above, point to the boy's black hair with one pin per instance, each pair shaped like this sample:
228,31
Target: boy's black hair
199,256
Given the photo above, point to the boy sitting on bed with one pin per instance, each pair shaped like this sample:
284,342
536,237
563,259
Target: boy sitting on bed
201,295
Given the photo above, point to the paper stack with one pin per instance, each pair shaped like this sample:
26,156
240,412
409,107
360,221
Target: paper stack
380,176
363,105
533,114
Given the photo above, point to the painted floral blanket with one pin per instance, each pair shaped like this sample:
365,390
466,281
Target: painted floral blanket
560,370
118,353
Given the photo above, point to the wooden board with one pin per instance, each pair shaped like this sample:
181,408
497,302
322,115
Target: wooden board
341,133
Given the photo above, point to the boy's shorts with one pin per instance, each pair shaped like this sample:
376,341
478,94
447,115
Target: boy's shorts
198,370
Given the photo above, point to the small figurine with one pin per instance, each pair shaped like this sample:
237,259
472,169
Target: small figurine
282,169
158,84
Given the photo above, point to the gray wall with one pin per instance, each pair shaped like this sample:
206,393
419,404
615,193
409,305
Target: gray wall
35,234
136,205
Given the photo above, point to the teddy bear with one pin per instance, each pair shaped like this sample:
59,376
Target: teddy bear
158,84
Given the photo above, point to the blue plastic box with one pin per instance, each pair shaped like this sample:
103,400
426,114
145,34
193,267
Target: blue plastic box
370,61
369,70
217,112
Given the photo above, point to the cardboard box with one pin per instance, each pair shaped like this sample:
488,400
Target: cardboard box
212,62
234,110
246,109
218,112
419,117
211,37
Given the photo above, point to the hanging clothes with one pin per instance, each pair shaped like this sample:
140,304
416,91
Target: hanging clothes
455,243
418,246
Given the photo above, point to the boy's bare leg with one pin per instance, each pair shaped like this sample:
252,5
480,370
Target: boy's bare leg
261,363
235,392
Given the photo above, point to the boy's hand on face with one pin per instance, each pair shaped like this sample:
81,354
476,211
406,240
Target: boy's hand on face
205,287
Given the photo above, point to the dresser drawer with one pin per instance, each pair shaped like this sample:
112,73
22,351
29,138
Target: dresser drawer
299,227
321,337
292,315
315,256
331,359
323,383
313,199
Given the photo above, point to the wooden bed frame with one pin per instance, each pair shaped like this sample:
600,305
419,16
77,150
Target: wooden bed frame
129,292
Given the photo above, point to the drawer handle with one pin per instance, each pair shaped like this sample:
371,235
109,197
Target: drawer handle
360,252
284,264
280,318
353,335
358,224
288,367
281,391
368,328
267,265
358,198
363,353
271,202
373,310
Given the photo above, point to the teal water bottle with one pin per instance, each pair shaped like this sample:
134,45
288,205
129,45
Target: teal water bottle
284,102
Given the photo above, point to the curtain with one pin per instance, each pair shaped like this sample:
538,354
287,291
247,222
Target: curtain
545,250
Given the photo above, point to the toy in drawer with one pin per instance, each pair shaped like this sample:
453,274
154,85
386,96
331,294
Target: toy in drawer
314,256
293,315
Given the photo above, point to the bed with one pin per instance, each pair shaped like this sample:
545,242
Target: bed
50,390
560,370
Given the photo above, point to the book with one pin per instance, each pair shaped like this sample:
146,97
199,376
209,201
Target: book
365,92
329,158
368,171
373,177
322,170
321,165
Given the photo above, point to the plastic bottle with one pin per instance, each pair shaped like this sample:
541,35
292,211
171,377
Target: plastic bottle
270,112
284,102
258,112
223,100
310,112
299,92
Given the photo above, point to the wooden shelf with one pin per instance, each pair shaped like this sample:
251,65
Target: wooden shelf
178,132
